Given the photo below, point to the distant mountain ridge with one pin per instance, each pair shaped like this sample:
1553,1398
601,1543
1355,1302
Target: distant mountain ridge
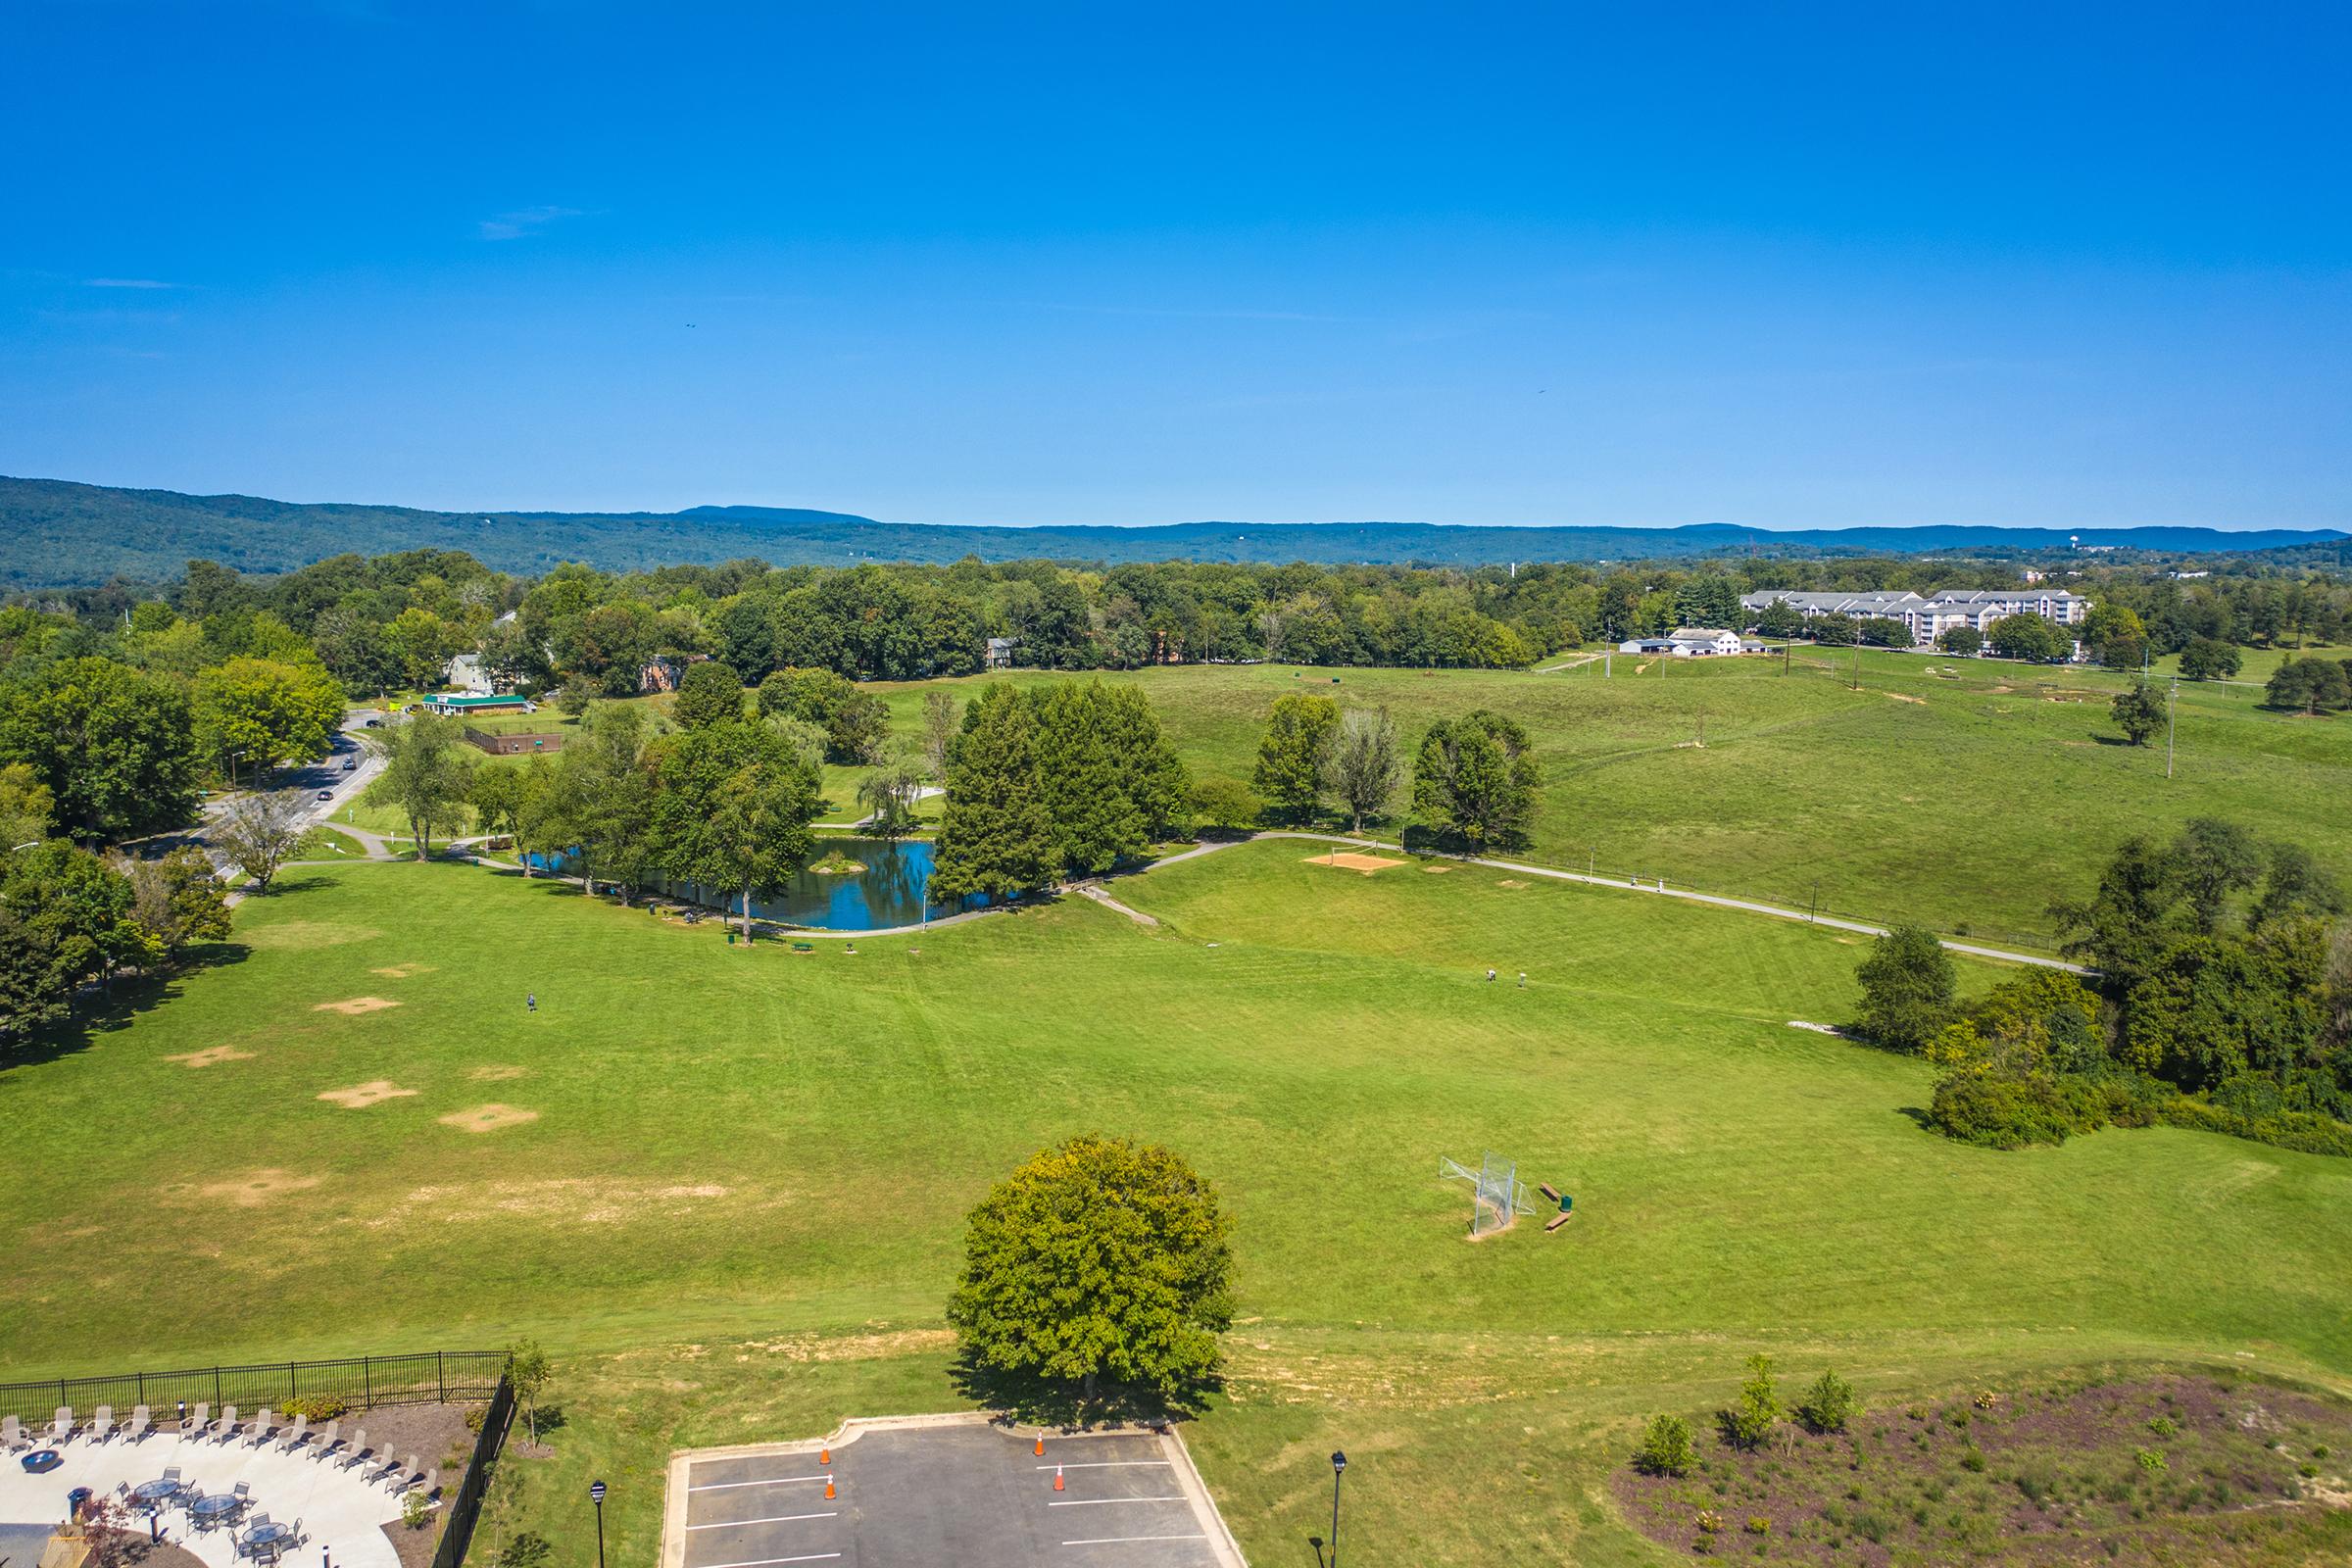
56,533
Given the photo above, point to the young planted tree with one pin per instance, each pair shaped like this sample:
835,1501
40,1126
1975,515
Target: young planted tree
257,835
428,769
1907,987
1362,768
1099,1260
527,1372
1752,1416
995,837
1476,780
2139,712
1665,1448
1288,775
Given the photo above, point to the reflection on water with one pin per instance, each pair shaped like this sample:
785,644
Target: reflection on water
889,892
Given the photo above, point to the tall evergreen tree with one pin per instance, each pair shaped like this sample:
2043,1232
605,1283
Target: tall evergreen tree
996,837
1094,818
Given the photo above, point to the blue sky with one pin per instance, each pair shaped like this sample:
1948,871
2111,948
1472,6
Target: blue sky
1773,265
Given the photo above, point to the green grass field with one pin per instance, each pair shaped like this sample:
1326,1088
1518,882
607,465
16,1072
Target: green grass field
1968,799
739,1219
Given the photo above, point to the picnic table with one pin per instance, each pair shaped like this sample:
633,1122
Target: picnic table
268,1541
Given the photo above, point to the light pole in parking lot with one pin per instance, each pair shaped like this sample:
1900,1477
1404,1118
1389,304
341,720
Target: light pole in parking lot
596,1495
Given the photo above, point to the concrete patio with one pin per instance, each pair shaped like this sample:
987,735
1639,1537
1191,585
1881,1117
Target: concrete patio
338,1508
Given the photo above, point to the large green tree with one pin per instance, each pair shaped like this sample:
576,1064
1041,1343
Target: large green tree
427,770
65,919
1476,779
598,808
2139,712
1288,775
114,747
731,810
1907,988
1099,1262
267,712
1362,767
995,836
708,693
2036,638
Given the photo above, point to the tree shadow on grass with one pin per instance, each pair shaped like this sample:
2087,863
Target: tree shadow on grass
1060,1403
105,1009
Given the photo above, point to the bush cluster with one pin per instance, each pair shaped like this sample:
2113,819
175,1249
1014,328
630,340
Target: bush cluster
317,1406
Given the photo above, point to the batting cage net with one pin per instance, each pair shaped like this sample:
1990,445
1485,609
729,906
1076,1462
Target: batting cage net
1496,1195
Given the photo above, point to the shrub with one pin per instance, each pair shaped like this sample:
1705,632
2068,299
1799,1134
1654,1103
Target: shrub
413,1509
1709,1520
2152,1460
525,1550
2011,1110
1987,1400
2319,1453
317,1406
1751,1418
2164,1427
2307,1471
1829,1404
1665,1448
1972,1459
476,1417
1758,1525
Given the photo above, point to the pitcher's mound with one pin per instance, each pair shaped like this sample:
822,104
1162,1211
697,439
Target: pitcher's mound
1349,860
489,1118
360,1095
356,1005
211,1054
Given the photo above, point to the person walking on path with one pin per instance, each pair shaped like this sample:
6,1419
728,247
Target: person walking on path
530,1001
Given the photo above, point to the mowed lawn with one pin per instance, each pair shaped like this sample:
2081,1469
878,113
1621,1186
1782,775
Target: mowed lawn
726,1186
1960,792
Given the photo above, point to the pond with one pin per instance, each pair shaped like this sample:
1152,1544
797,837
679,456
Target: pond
888,892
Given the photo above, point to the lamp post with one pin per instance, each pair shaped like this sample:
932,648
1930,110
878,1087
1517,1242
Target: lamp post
596,1495
1338,1467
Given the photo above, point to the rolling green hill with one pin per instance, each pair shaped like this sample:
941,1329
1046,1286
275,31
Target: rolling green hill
59,534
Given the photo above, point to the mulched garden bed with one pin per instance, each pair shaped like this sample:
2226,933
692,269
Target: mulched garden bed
438,1436
2152,1470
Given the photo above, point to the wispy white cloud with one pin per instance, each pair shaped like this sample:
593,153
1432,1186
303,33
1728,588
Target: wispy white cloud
524,222
129,282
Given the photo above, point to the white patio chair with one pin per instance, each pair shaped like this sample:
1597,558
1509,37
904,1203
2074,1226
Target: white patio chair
390,1473
432,1480
12,1434
258,1433
171,1473
226,1426
327,1438
102,1425
61,1429
142,1421
291,1436
355,1450
197,1422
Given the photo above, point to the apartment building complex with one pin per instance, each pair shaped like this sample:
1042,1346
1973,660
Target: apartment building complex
1930,618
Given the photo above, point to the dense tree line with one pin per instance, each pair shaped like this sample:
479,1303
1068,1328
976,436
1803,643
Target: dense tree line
71,918
2221,996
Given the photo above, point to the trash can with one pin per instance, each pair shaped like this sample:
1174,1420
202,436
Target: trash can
76,1500
731,939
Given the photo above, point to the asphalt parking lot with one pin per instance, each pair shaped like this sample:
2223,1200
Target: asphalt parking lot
952,1492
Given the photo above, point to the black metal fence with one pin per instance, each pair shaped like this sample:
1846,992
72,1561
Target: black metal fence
428,1377
460,1510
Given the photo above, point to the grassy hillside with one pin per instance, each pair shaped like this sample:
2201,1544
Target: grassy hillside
740,1218
1960,792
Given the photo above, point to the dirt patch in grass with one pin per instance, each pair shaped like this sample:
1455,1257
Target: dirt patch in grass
402,971
257,1188
2151,1470
572,1199
297,935
1510,882
1438,871
1349,860
356,1005
361,1095
495,1074
210,1056
489,1118
1900,697
854,1346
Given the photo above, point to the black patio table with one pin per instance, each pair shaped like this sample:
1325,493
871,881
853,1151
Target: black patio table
150,1494
269,1540
213,1508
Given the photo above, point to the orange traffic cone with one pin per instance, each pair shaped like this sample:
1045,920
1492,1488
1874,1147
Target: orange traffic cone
1041,1446
824,1456
1058,1477
828,1488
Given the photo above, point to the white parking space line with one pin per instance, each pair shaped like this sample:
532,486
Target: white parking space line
730,1486
765,1562
1111,1464
1122,1541
1099,1503
771,1519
